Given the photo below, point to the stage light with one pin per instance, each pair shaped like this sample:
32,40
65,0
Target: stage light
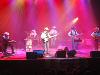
75,20
20,2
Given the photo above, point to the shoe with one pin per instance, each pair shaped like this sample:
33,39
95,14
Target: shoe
6,54
13,53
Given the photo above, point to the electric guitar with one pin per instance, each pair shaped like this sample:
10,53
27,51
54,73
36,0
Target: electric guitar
46,38
96,36
12,41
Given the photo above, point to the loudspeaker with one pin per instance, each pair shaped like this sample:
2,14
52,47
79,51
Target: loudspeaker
35,54
30,55
95,53
60,54
38,53
71,53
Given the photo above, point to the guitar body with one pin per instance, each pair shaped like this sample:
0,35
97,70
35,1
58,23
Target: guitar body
46,38
96,37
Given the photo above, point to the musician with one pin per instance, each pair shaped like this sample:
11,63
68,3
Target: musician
30,40
96,36
35,39
73,33
53,32
33,34
45,38
6,41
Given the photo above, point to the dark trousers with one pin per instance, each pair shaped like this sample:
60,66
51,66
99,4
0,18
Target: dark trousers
96,44
74,44
5,46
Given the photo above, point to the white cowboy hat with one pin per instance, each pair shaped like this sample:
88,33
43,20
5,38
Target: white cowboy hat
7,33
33,30
46,28
54,27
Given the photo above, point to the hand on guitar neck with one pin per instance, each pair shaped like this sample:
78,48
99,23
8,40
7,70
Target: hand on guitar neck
55,35
96,37
46,39
12,41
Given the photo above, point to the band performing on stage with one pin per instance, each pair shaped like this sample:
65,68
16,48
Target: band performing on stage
48,39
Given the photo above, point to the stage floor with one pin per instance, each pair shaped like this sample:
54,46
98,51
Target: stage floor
81,64
20,54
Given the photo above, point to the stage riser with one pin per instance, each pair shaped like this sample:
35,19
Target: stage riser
51,67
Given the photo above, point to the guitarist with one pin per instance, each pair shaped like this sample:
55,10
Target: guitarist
45,38
96,36
6,41
73,34
53,32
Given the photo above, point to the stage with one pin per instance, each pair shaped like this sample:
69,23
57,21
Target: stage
20,54
75,22
51,66
82,63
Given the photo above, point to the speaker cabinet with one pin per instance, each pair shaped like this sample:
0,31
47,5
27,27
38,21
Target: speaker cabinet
71,53
38,53
35,54
95,53
30,55
60,54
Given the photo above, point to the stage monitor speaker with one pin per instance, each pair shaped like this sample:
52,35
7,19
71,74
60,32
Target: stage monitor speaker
95,53
71,53
30,55
60,54
38,53
35,54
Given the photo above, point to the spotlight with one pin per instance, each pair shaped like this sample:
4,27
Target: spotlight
75,20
